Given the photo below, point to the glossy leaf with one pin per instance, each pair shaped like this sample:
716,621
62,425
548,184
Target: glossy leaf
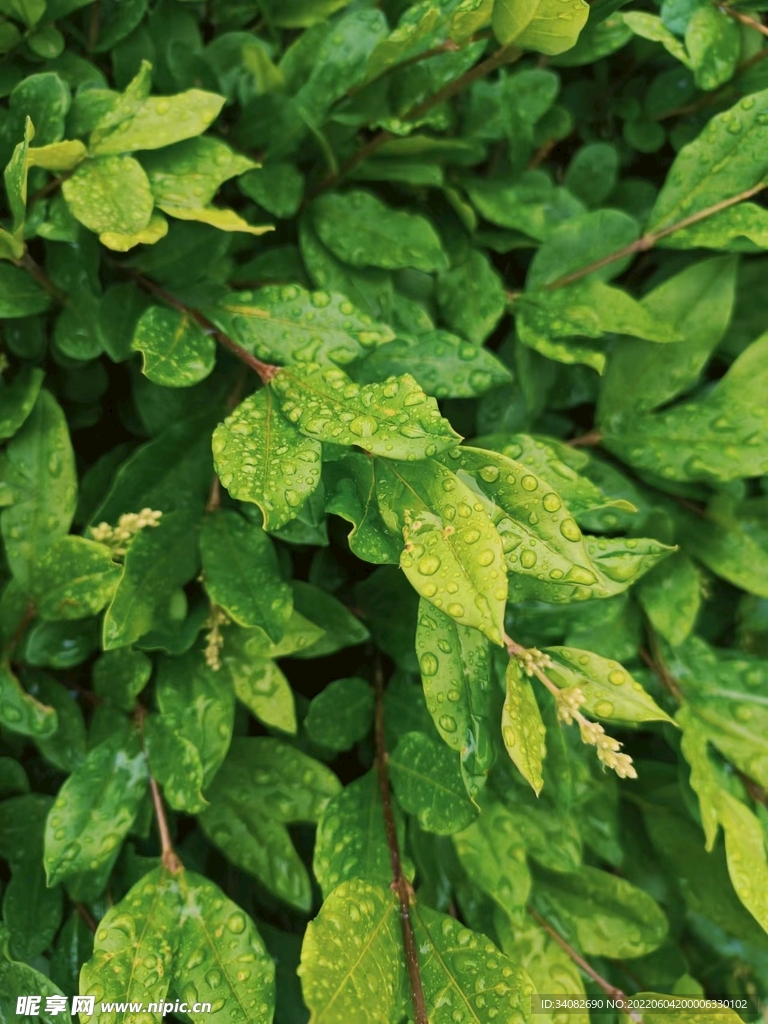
493,855
155,122
176,351
75,578
521,726
428,783
351,494
110,194
21,712
341,714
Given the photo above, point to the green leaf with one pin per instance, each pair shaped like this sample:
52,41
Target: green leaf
197,702
31,911
724,160
260,685
428,783
351,493
287,324
453,555
718,437
57,156
22,713
134,948
74,578
95,808
455,672
155,122
263,786
177,352
493,855
713,42
746,854
731,541
522,728
441,363
609,690
16,977
697,303
666,1016
256,449
20,295
671,596
341,714
606,915
190,173
650,26
471,297
532,204
41,473
278,187
394,419
340,627
578,243
221,958
463,972
15,177
174,761
17,399
341,968
119,676
361,230
110,194
351,838
160,559
66,747
241,573
537,24
302,13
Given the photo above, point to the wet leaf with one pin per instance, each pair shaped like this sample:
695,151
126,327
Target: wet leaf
341,714
428,783
177,352
110,194
521,726
75,578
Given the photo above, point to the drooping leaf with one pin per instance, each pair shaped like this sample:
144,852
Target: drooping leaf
521,726
493,855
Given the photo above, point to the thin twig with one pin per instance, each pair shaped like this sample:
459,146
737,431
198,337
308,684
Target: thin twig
170,860
266,371
49,187
656,663
34,270
647,241
589,970
83,912
588,440
758,26
400,883
29,613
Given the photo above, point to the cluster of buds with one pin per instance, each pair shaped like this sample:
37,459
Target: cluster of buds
215,638
532,660
607,748
119,537
569,701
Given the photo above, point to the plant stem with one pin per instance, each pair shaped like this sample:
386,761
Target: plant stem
34,270
504,55
588,440
89,922
400,883
266,371
170,860
29,613
647,241
656,663
743,18
606,986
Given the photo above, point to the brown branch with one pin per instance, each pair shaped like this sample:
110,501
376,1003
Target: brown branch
647,241
504,55
49,187
29,613
170,860
400,883
758,26
266,371
656,663
34,270
588,440
83,912
578,959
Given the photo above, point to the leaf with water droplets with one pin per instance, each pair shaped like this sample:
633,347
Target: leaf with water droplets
263,786
341,714
427,782
119,676
259,683
110,194
159,560
718,437
352,964
241,573
726,158
288,324
471,297
363,231
40,469
693,744
443,364
221,958
492,853
394,419
746,854
18,398
542,543
521,726
95,808
580,241
154,122
75,578
134,950
190,172
66,747
175,763
262,458
456,675
671,596
604,914
198,702
351,493
20,712
466,978
609,690
176,350
550,968
352,840
453,554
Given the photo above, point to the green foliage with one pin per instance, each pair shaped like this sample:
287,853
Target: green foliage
384,510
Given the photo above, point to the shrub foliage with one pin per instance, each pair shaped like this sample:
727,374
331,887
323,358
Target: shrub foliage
385,534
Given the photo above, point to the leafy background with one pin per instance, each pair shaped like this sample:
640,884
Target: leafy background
310,708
